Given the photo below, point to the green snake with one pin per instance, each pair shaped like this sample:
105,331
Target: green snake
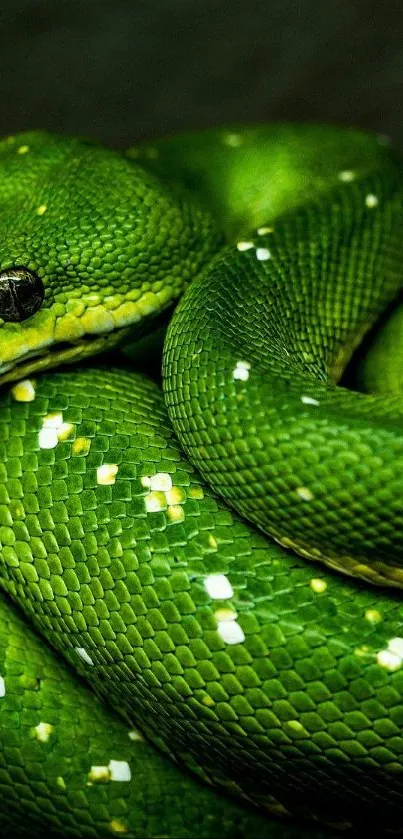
171,547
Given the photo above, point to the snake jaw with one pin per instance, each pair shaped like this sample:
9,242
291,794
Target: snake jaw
48,357
62,354
81,330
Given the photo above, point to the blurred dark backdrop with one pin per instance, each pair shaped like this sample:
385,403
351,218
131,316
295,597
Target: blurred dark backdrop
119,70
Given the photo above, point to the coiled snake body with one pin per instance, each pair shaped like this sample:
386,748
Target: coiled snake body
276,680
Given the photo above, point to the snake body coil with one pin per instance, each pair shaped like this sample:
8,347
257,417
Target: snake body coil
270,677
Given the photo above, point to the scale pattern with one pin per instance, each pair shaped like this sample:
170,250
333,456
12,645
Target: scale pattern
264,674
261,674
249,175
112,246
249,377
57,744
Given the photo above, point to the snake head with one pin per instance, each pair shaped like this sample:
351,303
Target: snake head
90,245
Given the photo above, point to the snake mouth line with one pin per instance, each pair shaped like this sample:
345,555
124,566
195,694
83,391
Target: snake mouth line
63,352
58,353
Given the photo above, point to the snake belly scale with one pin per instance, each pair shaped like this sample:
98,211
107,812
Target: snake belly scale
276,681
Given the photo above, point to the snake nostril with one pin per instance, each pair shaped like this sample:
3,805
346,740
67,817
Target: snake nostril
21,294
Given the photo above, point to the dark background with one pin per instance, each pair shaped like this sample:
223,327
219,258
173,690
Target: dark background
119,70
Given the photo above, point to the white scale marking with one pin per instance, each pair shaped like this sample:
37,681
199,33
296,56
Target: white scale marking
309,400
218,586
241,371
84,655
262,254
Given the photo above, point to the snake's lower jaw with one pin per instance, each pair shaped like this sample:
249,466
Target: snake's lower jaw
61,353
48,340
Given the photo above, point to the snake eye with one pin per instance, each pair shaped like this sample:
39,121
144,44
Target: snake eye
21,294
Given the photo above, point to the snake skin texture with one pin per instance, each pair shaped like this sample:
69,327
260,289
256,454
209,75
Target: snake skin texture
249,377
229,652
70,766
275,682
111,245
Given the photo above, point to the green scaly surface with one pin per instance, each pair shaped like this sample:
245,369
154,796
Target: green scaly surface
112,246
253,688
268,676
311,464
57,744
